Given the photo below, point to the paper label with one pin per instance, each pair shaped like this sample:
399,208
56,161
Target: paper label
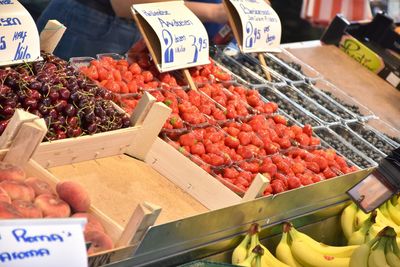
43,242
19,38
365,56
182,38
260,27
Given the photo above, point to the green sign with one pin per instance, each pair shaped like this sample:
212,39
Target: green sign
361,53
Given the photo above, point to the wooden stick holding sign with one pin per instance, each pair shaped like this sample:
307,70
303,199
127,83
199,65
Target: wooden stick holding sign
189,79
264,64
51,35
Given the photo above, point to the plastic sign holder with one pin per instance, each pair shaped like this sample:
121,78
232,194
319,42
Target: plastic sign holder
380,185
19,37
256,27
175,37
51,35
42,242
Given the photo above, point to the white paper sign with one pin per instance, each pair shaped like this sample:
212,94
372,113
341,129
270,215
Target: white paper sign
261,26
42,242
19,37
183,38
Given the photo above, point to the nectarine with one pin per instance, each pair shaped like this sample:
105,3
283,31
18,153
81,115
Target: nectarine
100,241
52,206
39,186
27,209
7,211
92,222
10,171
74,194
18,190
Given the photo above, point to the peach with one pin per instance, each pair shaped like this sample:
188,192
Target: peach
52,206
100,241
7,211
27,209
4,196
74,194
18,190
39,186
10,171
92,222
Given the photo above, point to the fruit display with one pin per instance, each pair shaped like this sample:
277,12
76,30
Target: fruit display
372,136
34,198
358,143
324,101
320,112
288,107
281,68
70,104
335,141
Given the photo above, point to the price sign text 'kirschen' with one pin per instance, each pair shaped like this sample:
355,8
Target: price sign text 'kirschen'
42,242
255,24
19,38
175,37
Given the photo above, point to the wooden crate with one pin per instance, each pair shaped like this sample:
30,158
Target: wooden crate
197,182
146,121
24,143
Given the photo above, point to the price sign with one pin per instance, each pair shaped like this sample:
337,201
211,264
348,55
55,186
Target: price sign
256,26
19,38
175,37
44,242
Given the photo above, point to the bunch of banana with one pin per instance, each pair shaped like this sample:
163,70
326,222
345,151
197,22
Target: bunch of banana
359,227
381,251
247,249
298,249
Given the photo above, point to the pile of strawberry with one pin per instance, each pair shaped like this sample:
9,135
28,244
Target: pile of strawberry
227,129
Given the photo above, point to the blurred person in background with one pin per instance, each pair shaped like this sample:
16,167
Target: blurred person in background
35,7
101,26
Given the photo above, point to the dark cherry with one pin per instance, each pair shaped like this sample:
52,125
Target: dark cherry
53,114
70,110
60,105
64,93
72,121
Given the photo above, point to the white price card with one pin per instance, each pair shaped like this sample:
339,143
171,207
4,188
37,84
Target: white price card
42,242
175,37
19,37
255,24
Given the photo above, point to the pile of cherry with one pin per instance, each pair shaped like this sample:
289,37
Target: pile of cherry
71,104
225,128
32,197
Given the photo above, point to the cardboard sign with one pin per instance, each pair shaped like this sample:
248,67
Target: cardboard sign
19,38
42,242
175,37
359,52
256,26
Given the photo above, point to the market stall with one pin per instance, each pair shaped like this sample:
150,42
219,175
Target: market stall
180,164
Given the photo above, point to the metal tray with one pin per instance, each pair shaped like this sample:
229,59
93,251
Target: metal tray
356,141
390,133
323,115
372,136
325,101
291,109
288,73
344,148
335,94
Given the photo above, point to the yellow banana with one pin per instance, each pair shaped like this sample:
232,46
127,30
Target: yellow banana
240,252
360,218
347,220
377,256
307,256
381,219
283,252
249,260
394,213
340,252
392,259
395,200
383,208
358,237
360,255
